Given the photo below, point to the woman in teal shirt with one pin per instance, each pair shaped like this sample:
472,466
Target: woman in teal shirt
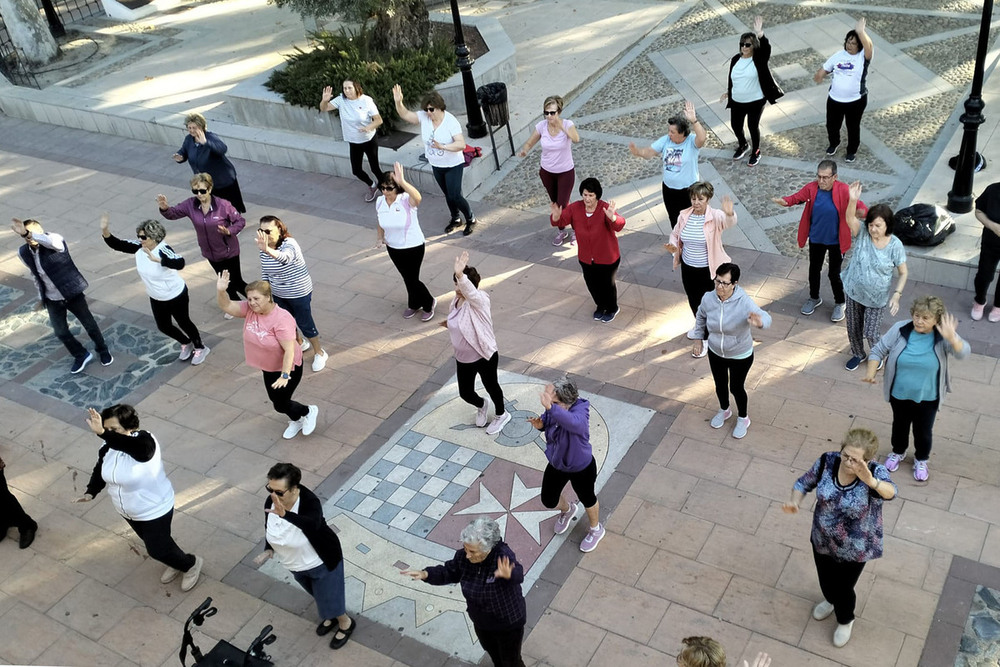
916,376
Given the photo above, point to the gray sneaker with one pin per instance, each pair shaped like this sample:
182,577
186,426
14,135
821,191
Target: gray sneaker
720,418
810,306
838,312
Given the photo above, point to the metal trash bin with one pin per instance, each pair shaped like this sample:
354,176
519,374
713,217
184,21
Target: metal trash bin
493,99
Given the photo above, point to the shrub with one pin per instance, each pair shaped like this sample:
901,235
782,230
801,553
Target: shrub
345,56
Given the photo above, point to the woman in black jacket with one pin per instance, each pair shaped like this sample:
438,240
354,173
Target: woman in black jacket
296,532
751,86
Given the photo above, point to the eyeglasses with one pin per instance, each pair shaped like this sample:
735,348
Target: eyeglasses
142,237
551,113
199,191
824,177
280,494
721,283
747,45
266,231
387,188
430,109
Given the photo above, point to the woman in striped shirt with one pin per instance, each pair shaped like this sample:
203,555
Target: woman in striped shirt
284,267
696,244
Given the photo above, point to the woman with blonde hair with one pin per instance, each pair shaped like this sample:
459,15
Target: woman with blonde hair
850,488
557,136
205,152
915,355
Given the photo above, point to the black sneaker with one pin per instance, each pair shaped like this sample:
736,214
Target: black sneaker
452,226
850,157
81,362
598,315
832,149
469,226
106,359
610,316
754,159
741,151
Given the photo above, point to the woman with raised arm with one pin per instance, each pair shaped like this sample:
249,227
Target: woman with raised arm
848,89
443,145
359,119
679,150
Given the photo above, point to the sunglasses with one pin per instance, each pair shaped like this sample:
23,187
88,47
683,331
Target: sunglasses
430,109
266,231
551,113
280,494
199,191
142,237
387,188
747,45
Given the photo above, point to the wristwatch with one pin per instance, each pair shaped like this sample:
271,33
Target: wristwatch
285,376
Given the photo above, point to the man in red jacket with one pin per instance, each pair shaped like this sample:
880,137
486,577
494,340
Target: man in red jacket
824,224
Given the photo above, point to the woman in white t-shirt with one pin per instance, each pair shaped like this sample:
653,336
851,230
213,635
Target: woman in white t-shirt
557,136
399,231
359,119
443,141
848,89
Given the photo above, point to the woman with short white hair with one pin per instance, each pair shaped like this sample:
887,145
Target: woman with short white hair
491,578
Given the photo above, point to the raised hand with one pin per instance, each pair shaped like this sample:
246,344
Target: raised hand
261,240
106,224
397,94
277,504
859,27
855,190
461,262
633,149
689,111
947,327
327,93
612,210
547,396
727,206
199,136
504,568
94,421
18,227
758,25
397,173
222,283
161,201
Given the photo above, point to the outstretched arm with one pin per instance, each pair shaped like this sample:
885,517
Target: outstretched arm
404,113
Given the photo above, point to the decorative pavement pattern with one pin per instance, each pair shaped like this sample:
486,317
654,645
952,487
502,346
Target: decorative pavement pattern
407,505
916,83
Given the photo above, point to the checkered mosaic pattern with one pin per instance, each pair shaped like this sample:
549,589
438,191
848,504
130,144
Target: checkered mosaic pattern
415,483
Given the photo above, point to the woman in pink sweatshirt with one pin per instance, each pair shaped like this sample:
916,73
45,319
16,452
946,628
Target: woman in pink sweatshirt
470,326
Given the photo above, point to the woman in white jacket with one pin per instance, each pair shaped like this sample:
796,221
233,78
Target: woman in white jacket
158,266
130,465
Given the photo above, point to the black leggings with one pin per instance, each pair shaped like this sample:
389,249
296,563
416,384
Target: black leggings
449,179
918,415
583,481
849,112
232,194
503,646
176,309
407,262
817,252
696,281
751,112
155,534
989,258
281,398
600,280
837,579
487,370
358,151
11,512
675,201
730,376
237,285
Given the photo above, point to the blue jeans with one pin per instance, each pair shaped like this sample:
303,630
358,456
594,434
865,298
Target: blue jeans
301,310
78,306
326,587
449,179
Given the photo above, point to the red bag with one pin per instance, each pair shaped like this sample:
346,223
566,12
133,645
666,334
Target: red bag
471,152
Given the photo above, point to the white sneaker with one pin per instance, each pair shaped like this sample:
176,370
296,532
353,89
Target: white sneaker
192,575
498,423
842,634
185,352
199,355
742,424
305,344
720,418
309,421
169,575
483,413
319,360
293,428
822,610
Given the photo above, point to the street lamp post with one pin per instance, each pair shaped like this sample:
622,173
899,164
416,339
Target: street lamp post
55,25
476,126
960,197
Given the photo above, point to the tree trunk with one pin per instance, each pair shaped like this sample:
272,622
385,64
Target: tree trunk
404,26
28,31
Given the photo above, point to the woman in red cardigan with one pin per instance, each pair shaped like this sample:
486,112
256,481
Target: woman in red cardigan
596,224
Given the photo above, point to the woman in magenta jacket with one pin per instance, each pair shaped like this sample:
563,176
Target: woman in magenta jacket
596,224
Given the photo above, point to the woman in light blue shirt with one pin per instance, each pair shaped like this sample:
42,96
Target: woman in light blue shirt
679,150
915,355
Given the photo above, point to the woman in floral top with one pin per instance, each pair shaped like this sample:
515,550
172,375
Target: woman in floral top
847,521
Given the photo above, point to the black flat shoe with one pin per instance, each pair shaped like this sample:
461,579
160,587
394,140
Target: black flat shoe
323,628
27,537
336,642
452,226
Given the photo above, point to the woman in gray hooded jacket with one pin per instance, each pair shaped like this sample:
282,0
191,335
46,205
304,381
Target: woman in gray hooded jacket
724,319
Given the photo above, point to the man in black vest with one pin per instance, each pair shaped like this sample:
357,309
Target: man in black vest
60,289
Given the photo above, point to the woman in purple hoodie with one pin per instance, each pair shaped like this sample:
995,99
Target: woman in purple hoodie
566,422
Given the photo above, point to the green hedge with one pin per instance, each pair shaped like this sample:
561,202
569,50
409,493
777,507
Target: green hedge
340,56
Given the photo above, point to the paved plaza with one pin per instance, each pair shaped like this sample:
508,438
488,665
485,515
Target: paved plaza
697,543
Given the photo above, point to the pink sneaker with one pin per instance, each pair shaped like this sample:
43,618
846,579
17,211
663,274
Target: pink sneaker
564,519
994,315
892,462
920,470
594,535
977,310
559,237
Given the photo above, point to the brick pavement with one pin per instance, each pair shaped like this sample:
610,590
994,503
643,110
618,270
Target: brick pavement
696,545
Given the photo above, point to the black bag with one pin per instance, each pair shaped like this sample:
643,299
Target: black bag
923,225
